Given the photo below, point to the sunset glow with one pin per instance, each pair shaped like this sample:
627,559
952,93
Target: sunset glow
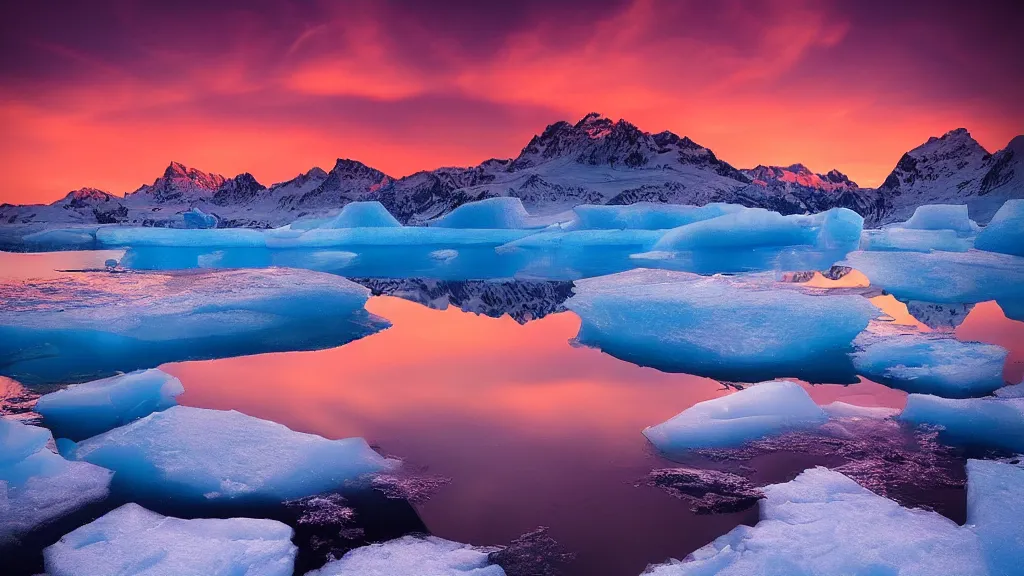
106,94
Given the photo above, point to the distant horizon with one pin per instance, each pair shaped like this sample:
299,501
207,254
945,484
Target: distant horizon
105,95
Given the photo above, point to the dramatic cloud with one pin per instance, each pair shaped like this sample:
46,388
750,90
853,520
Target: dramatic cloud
106,93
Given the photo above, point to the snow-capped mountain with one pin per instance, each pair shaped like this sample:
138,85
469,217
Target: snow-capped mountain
594,161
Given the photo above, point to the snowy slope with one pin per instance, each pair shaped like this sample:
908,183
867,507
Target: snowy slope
594,161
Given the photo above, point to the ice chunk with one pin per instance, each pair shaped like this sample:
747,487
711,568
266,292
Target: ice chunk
824,523
501,212
85,410
198,454
752,413
422,556
942,366
754,227
133,540
83,326
123,236
568,255
196,218
38,486
995,506
1005,233
444,255
995,422
371,214
411,236
1012,391
844,410
943,277
645,215
739,328
83,238
906,239
941,217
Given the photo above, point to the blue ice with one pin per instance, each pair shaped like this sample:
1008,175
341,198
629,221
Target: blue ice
1005,232
84,326
370,214
200,455
995,422
738,328
133,540
941,217
942,366
757,227
754,412
895,238
645,215
196,218
37,485
504,212
995,506
84,410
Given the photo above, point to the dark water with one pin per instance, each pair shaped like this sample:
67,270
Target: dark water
510,428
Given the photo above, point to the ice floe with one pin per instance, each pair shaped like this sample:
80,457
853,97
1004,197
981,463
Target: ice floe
996,422
503,212
199,454
37,485
423,556
83,326
133,540
88,409
645,215
995,506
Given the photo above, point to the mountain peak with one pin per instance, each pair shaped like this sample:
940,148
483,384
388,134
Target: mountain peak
596,126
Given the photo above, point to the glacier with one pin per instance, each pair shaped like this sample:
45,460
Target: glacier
133,540
736,328
749,414
1005,233
823,523
38,486
82,326
995,422
425,556
941,366
84,410
201,455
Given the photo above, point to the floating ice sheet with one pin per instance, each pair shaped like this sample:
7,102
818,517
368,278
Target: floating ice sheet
84,326
996,422
88,409
133,540
1005,233
204,455
995,506
912,240
38,486
751,413
423,556
942,366
737,328
645,215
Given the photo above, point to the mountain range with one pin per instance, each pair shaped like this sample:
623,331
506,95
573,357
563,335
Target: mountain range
594,161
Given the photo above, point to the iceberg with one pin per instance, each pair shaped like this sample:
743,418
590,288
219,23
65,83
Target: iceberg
824,523
426,556
82,238
371,214
913,240
736,328
126,236
842,410
942,366
996,422
37,486
133,540
202,455
645,215
943,277
503,212
1005,233
757,227
83,326
196,218
573,254
995,506
941,217
88,409
754,412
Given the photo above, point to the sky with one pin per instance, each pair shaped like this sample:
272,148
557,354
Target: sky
106,93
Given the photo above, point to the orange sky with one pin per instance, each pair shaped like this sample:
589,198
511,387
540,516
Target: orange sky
105,95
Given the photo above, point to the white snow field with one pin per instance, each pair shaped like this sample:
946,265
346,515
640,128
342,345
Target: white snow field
1005,233
822,523
942,366
82,326
752,413
133,540
996,422
738,328
422,556
37,485
198,454
87,409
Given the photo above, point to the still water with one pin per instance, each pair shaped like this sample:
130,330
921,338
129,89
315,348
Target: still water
519,427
